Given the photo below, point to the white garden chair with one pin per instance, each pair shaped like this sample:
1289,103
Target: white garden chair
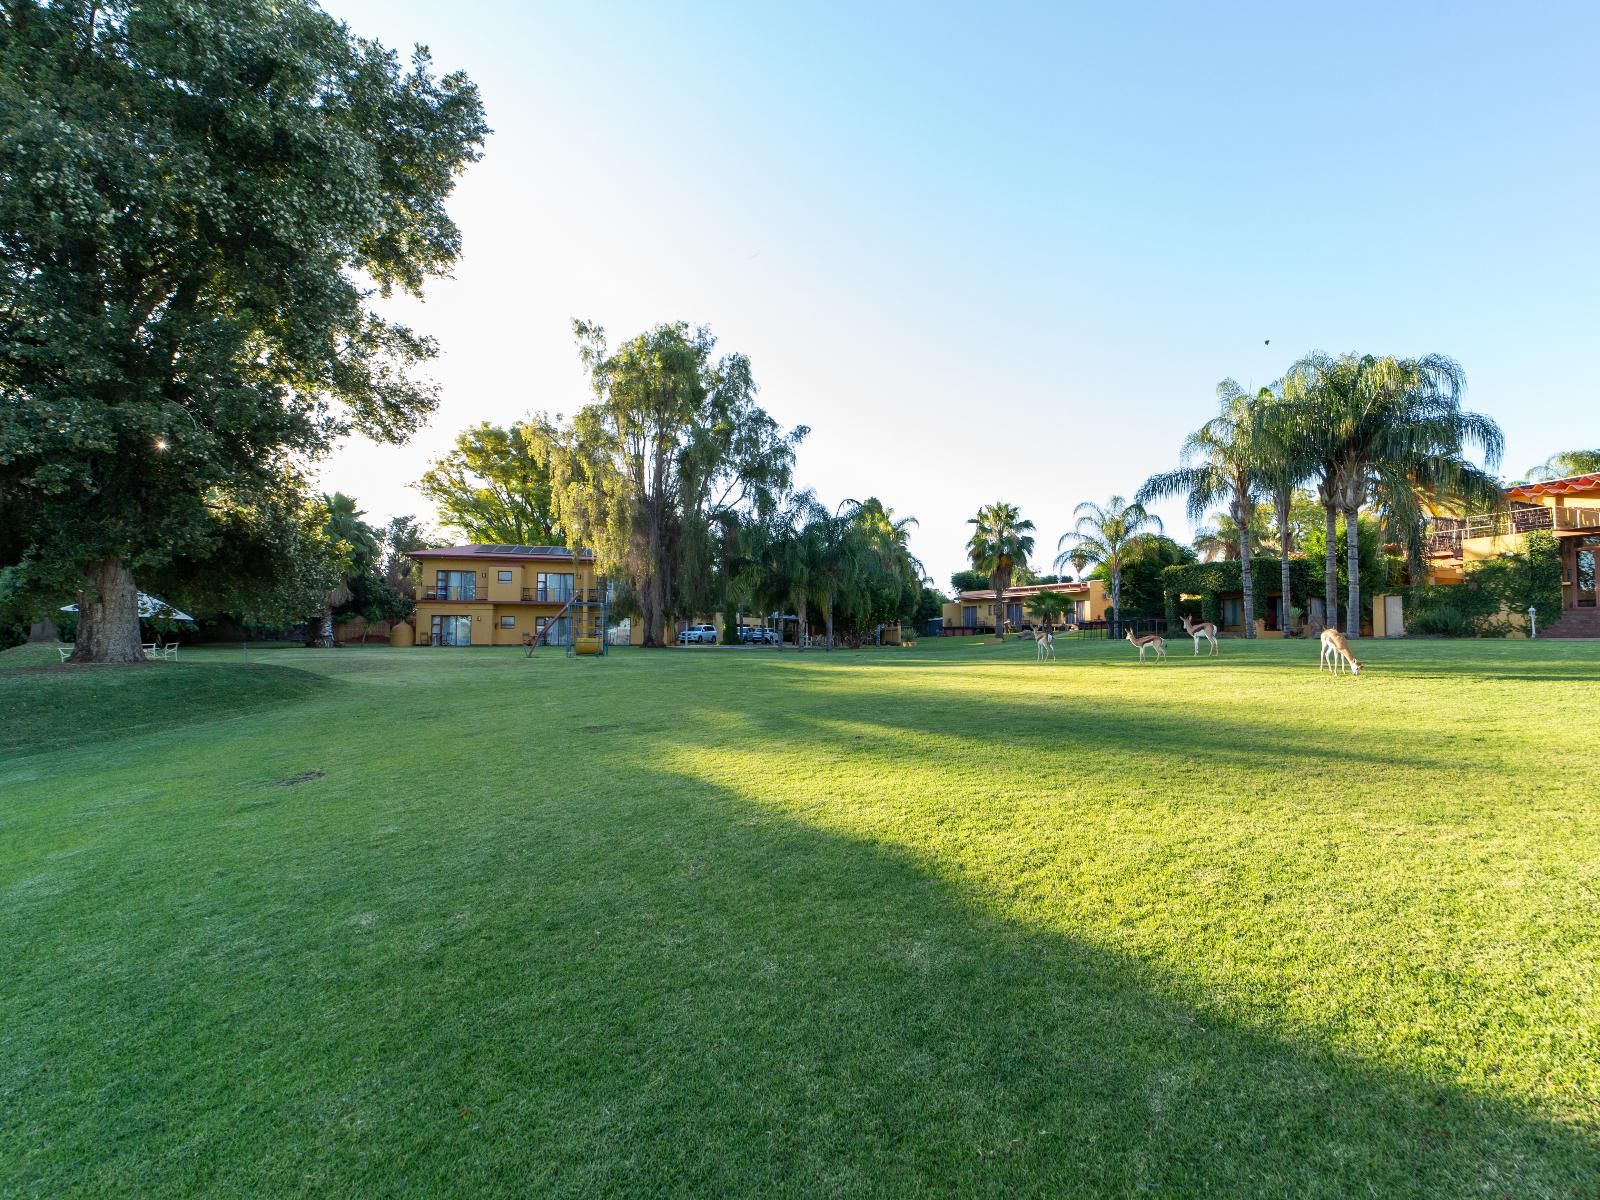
170,650
65,652
152,650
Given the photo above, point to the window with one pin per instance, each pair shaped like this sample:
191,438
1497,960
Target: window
508,622
1232,612
556,589
505,576
558,631
455,585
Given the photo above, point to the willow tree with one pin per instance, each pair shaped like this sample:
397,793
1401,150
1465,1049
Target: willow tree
673,439
197,203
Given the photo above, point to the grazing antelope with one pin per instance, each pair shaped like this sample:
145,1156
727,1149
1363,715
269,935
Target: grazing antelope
1201,629
1044,642
1148,641
1336,653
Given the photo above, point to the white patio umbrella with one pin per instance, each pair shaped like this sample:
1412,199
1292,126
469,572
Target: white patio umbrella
150,608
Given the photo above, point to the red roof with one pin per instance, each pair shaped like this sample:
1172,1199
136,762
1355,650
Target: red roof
1558,487
550,553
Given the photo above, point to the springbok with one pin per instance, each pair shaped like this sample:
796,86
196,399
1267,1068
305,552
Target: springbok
1201,629
1044,642
1147,641
1336,653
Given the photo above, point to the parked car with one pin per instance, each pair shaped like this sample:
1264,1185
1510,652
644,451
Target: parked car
698,633
755,635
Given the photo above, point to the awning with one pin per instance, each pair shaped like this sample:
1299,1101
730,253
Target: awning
150,609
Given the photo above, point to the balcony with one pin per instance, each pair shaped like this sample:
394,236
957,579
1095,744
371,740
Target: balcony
451,593
1445,534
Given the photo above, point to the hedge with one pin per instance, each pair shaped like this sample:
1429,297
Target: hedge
1211,580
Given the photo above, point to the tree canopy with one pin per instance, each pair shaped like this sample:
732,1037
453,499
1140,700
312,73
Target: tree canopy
672,443
493,485
197,204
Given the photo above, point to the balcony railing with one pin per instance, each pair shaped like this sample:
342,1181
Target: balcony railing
1446,533
546,595
452,593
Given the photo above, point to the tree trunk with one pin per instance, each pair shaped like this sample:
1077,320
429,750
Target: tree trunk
321,633
650,613
108,616
1116,604
804,631
999,614
1330,567
830,620
1283,548
1352,561
1247,577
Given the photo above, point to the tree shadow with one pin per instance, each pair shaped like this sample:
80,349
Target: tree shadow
772,1009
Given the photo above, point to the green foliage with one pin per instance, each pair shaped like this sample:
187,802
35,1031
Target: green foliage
1142,586
969,581
1000,544
673,442
493,486
1495,594
1568,462
1214,579
1378,571
1111,537
197,202
1050,606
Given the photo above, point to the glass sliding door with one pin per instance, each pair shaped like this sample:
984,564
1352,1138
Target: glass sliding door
1583,565
455,585
452,631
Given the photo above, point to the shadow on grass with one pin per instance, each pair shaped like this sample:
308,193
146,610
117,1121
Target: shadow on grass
52,708
664,990
1147,728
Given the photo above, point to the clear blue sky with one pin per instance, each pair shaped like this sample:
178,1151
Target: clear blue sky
1008,254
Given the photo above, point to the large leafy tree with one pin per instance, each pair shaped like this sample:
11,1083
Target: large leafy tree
493,485
1381,425
197,202
1109,537
1000,544
1219,466
673,440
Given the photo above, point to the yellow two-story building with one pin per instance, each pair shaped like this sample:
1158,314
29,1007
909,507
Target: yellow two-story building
497,595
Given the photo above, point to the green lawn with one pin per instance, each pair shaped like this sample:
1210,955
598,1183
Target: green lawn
932,922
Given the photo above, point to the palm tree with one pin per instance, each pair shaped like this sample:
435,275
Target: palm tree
1377,422
1281,466
1001,542
356,544
1219,539
1568,462
1111,536
1220,467
1051,606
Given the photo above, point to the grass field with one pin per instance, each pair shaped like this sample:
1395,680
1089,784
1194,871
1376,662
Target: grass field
929,922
